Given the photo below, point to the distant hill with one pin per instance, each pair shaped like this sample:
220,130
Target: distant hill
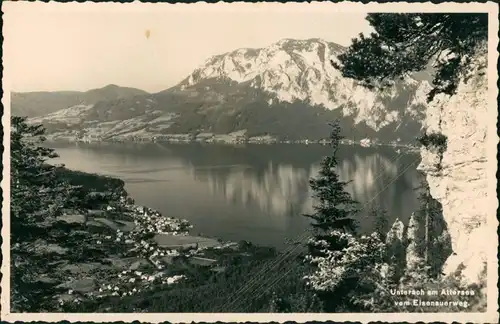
287,91
33,104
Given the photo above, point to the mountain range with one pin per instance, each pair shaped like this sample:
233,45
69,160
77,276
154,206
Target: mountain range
41,103
287,91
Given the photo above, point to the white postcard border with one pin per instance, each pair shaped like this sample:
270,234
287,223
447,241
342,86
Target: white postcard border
490,316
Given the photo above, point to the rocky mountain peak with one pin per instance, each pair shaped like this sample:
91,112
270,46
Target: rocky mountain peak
290,69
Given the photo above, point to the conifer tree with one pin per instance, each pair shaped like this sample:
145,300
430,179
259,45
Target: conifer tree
335,207
404,43
37,196
28,177
37,191
333,230
380,222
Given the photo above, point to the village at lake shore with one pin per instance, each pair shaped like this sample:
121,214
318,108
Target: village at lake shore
128,250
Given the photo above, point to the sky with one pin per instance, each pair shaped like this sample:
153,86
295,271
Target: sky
74,46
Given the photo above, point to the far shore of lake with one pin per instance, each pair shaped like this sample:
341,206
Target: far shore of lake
181,141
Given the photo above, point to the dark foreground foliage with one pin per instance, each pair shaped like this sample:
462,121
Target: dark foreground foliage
404,43
434,140
39,193
225,291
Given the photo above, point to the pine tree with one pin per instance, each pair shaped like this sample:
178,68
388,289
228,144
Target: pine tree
38,195
404,43
40,192
333,226
335,207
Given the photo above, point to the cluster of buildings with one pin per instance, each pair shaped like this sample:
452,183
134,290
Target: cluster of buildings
144,259
129,283
148,220
149,266
133,282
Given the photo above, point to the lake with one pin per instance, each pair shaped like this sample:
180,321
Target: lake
255,192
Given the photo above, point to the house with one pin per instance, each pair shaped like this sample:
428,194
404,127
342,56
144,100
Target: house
365,142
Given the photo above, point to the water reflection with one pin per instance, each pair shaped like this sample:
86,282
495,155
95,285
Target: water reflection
282,189
278,189
257,192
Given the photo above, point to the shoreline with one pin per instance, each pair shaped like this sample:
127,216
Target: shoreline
141,245
408,147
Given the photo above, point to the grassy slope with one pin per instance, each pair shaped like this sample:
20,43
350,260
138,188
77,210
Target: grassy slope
41,103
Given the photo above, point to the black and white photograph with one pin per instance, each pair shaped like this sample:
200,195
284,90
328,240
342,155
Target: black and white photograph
249,162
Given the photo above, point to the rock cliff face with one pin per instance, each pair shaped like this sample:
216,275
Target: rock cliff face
461,184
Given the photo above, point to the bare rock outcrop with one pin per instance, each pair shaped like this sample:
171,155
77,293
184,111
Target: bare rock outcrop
460,184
